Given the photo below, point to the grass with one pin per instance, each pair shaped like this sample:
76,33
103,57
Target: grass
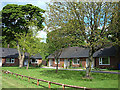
100,80
97,69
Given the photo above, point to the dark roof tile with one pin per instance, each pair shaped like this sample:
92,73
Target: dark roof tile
13,53
77,52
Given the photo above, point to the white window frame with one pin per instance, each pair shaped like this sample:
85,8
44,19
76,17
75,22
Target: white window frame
36,61
77,61
11,59
100,61
58,61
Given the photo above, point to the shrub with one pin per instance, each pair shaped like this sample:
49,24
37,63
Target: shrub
96,68
80,65
63,65
70,63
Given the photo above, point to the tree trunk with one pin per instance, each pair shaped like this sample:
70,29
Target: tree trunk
88,68
90,59
58,53
57,65
28,62
21,57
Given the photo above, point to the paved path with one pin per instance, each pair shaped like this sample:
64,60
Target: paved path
83,70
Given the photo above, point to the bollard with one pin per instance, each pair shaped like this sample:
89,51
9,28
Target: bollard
22,77
28,79
49,84
38,82
63,86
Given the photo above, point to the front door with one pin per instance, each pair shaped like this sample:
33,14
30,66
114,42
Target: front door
65,63
50,63
87,62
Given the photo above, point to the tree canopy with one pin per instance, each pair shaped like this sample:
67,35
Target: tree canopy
17,19
88,20
31,45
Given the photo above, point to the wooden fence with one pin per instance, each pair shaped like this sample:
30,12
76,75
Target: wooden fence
49,82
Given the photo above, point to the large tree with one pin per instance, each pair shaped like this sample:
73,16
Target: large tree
56,42
90,20
31,45
18,19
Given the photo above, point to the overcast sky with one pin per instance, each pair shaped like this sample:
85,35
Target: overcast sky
39,3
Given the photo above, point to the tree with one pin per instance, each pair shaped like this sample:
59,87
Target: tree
44,48
31,45
91,20
17,19
56,41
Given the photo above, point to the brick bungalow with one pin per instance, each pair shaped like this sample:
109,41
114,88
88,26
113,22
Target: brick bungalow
9,57
106,58
103,58
75,54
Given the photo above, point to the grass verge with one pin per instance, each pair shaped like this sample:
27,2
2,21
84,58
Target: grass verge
100,80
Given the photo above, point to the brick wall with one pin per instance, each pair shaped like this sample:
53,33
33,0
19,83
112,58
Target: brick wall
59,65
78,65
73,65
16,62
113,63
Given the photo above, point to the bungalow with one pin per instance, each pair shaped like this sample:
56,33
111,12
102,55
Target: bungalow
106,58
77,56
9,57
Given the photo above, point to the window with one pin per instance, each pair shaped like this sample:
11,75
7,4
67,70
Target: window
76,61
8,60
12,60
104,61
34,61
58,61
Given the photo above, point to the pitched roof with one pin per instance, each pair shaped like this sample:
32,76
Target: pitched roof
9,53
104,52
77,52
72,52
13,53
37,56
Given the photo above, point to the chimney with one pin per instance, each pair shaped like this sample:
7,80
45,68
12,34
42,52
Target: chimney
8,45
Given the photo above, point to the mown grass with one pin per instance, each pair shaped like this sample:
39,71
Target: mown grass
100,80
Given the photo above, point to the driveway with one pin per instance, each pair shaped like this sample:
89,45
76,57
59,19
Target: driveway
83,70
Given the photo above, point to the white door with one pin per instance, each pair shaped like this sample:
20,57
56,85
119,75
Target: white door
87,62
50,63
65,63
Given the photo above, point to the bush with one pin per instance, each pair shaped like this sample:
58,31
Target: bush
80,65
63,65
70,63
97,69
40,65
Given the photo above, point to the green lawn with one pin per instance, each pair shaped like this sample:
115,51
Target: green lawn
100,80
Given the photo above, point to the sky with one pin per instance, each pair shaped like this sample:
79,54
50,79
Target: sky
40,3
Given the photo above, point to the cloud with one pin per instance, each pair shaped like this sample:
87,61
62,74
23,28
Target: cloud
42,34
